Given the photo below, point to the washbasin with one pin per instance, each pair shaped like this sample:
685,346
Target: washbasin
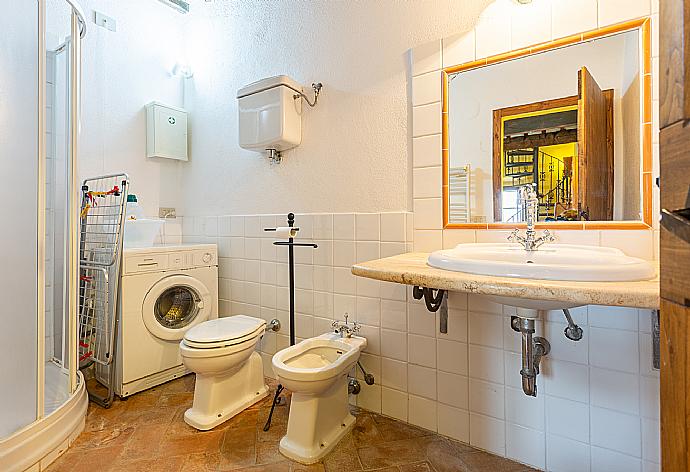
567,262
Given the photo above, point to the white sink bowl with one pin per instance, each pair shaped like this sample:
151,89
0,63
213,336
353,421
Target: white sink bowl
550,262
142,232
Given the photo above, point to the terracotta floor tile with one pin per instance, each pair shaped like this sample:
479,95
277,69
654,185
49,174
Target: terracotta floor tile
147,433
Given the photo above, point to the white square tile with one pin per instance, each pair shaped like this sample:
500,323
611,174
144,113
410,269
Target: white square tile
426,119
344,253
486,363
452,356
486,330
615,390
268,250
268,273
614,349
392,249
457,325
344,281
422,412
394,403
252,248
343,304
367,250
323,278
421,350
369,398
428,240
563,348
367,227
304,276
394,344
368,287
525,445
393,227
394,373
420,320
454,423
530,24
373,335
458,49
616,317
421,381
566,455
392,291
428,213
426,88
344,226
567,418
252,227
426,57
453,390
323,254
524,410
616,11
566,379
237,247
604,460
237,226
492,35
649,397
487,433
651,446
572,17
487,398
394,315
426,151
483,304
427,182
453,237
252,271
323,226
614,430
323,306
369,311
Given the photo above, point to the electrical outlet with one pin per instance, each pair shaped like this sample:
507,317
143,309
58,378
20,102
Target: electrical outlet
167,213
106,22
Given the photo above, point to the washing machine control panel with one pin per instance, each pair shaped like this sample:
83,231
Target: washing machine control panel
164,258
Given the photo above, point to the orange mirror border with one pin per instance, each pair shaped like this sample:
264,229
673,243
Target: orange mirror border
644,25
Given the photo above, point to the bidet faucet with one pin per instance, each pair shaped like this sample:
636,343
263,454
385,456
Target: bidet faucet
530,241
345,329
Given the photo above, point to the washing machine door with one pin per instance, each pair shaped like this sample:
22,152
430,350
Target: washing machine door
175,304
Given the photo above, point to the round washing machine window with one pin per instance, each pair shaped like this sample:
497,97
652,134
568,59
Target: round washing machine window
174,305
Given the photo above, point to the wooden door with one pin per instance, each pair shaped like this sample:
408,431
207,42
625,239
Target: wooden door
595,148
674,162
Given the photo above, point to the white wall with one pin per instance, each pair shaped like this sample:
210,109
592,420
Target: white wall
354,154
474,94
122,72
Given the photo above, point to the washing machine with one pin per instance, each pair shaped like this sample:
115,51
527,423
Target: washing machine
165,291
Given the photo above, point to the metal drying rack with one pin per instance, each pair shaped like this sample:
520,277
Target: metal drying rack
102,221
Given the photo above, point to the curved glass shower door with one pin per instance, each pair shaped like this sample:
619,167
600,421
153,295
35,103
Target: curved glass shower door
19,191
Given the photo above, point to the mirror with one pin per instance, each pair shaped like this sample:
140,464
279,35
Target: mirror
568,120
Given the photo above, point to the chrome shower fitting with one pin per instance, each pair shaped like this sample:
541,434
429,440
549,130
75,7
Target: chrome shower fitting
533,349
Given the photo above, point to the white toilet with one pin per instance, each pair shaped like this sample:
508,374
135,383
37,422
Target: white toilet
315,371
229,373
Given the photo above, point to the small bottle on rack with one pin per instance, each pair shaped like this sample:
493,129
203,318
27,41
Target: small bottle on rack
134,211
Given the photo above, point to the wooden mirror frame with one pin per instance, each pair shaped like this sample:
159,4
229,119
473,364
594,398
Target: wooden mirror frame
644,25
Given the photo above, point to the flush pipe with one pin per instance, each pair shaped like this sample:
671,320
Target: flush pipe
533,348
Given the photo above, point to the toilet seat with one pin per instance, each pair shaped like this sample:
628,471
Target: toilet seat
224,332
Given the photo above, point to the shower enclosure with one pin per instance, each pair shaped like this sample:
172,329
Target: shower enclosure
42,394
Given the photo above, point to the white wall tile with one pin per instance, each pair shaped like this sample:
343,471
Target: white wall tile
566,455
454,423
649,397
615,390
394,374
453,390
633,243
422,412
458,49
530,24
613,430
614,349
567,418
421,381
525,445
616,11
428,240
428,213
487,433
394,315
651,447
486,330
453,237
573,16
487,398
452,356
344,226
426,58
394,403
524,410
566,379
605,460
486,363
344,253
427,182
613,317
426,88
323,226
426,119
394,344
393,227
367,227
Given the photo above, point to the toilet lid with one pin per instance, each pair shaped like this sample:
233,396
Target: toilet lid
224,329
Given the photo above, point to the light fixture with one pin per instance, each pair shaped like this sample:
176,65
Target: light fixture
182,70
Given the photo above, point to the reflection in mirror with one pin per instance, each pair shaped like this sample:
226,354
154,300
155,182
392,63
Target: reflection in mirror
566,121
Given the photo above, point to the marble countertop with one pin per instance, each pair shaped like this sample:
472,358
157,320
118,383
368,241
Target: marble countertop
412,269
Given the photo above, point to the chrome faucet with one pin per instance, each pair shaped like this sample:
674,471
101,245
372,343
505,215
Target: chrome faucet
530,241
345,329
